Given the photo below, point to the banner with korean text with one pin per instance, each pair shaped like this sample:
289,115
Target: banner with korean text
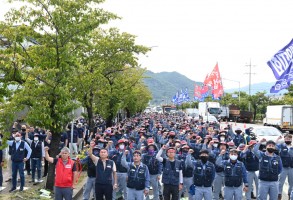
281,65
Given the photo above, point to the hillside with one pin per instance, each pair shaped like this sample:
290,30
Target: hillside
257,87
164,86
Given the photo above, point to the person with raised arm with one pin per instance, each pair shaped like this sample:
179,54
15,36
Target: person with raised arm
172,173
65,174
138,176
105,173
270,166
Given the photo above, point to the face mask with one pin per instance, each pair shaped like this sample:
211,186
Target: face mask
23,129
203,159
222,138
288,142
151,152
121,146
215,145
17,138
184,152
36,138
233,157
270,150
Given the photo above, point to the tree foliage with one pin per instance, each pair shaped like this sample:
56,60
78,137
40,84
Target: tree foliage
40,55
108,72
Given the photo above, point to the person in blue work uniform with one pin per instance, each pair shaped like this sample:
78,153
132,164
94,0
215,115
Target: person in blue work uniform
203,175
238,138
138,177
187,171
155,168
270,166
172,173
91,173
116,156
219,179
251,163
246,135
18,159
234,175
105,174
37,156
286,153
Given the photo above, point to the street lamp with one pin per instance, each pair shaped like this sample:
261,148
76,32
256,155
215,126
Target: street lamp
238,86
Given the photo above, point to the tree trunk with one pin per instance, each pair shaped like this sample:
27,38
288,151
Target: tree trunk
89,108
54,150
90,117
109,121
127,112
254,115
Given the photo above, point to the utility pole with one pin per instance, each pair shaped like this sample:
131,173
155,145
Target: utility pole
249,75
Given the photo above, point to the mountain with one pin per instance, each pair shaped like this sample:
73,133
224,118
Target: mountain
164,86
257,87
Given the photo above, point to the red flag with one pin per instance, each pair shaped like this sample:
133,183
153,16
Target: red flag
204,89
217,87
197,91
208,80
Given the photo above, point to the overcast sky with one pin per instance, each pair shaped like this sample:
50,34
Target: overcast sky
191,36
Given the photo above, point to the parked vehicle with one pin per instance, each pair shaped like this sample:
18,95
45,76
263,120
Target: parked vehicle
224,113
279,116
246,116
234,113
169,109
237,115
209,108
210,118
148,110
269,133
192,113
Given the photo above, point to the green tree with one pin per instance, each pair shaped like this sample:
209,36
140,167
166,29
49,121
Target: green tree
259,101
288,97
136,99
101,80
44,67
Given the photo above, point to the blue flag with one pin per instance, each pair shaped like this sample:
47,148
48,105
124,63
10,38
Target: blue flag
186,96
281,65
175,98
180,98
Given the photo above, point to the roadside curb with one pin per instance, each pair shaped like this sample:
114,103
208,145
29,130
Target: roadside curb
78,191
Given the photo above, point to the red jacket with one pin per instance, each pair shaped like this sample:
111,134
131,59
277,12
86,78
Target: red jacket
64,174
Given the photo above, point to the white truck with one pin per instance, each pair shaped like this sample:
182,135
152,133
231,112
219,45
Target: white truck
279,116
224,115
192,113
209,108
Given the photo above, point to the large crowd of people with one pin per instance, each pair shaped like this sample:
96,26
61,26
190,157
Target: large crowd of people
173,155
